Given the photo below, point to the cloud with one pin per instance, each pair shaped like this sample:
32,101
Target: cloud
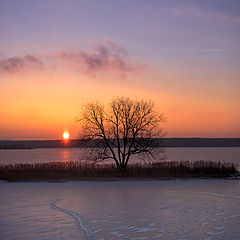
106,57
18,64
103,58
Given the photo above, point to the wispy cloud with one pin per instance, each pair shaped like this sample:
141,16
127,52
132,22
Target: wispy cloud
17,64
104,57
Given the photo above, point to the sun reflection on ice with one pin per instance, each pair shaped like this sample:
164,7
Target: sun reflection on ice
65,155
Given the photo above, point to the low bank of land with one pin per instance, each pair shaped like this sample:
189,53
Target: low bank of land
58,171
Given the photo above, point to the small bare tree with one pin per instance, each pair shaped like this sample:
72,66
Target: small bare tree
124,129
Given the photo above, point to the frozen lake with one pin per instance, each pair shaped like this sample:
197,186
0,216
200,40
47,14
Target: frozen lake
134,210
228,154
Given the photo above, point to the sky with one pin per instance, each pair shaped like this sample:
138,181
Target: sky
57,55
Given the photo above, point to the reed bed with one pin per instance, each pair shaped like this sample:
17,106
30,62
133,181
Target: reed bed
58,171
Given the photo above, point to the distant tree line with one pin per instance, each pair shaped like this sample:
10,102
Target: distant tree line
13,146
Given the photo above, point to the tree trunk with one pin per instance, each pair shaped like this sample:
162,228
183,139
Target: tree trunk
123,170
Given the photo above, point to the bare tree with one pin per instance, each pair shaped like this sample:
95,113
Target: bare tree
124,129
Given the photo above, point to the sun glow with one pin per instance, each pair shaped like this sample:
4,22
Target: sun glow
66,135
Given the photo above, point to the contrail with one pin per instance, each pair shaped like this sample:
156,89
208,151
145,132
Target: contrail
211,50
74,215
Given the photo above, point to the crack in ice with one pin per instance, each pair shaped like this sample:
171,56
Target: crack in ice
75,216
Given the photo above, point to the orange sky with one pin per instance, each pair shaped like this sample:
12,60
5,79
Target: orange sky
40,105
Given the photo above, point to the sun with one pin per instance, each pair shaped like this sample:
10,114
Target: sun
66,135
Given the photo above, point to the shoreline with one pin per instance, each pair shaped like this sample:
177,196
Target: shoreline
119,180
162,142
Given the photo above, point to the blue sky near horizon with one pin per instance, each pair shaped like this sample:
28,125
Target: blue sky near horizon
183,51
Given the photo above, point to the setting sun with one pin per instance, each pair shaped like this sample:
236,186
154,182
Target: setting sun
66,135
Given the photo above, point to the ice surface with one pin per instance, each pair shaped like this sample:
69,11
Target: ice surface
134,210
